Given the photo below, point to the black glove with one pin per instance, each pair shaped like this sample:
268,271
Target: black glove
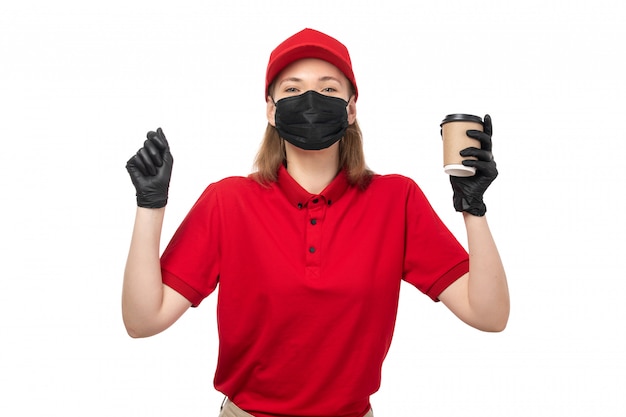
150,171
468,191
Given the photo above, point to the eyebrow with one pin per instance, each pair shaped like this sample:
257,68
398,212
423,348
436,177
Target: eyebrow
290,79
297,80
330,78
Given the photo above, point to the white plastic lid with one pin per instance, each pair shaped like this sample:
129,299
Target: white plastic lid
458,170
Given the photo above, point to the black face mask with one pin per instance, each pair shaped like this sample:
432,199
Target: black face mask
311,121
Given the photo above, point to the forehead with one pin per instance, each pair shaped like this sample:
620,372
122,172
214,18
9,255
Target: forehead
311,68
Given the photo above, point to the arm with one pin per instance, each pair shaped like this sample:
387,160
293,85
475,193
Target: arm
149,306
481,297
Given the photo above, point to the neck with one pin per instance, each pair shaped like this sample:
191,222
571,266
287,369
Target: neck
313,170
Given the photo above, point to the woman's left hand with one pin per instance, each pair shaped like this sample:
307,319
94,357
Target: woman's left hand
468,191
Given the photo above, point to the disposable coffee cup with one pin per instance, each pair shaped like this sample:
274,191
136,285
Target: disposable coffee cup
455,139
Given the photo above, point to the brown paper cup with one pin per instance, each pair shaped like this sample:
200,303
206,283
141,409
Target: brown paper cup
453,129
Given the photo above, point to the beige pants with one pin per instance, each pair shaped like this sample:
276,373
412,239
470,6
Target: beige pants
231,410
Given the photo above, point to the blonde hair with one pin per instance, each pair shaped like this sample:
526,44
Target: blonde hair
351,157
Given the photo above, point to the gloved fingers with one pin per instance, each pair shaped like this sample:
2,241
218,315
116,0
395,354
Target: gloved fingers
482,137
481,154
486,168
153,151
146,160
136,164
160,140
487,125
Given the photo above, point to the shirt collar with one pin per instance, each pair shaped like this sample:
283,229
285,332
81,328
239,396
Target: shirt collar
299,197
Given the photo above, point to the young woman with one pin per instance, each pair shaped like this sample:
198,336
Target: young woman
308,251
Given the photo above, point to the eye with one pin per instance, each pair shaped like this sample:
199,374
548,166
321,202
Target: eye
291,90
329,90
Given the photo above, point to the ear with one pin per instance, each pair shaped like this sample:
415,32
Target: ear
270,112
351,110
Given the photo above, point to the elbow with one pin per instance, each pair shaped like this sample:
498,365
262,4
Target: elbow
494,328
138,333
134,334
488,325
137,329
132,331
495,320
496,324
137,325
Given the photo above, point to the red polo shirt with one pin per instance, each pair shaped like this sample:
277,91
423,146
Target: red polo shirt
309,285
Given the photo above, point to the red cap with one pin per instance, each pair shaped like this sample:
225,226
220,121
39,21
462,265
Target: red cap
309,43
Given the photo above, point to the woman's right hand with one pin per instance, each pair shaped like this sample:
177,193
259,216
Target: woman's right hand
150,170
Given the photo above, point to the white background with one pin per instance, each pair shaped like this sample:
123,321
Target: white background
81,83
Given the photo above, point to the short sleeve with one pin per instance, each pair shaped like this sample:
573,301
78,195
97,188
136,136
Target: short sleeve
190,263
433,257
